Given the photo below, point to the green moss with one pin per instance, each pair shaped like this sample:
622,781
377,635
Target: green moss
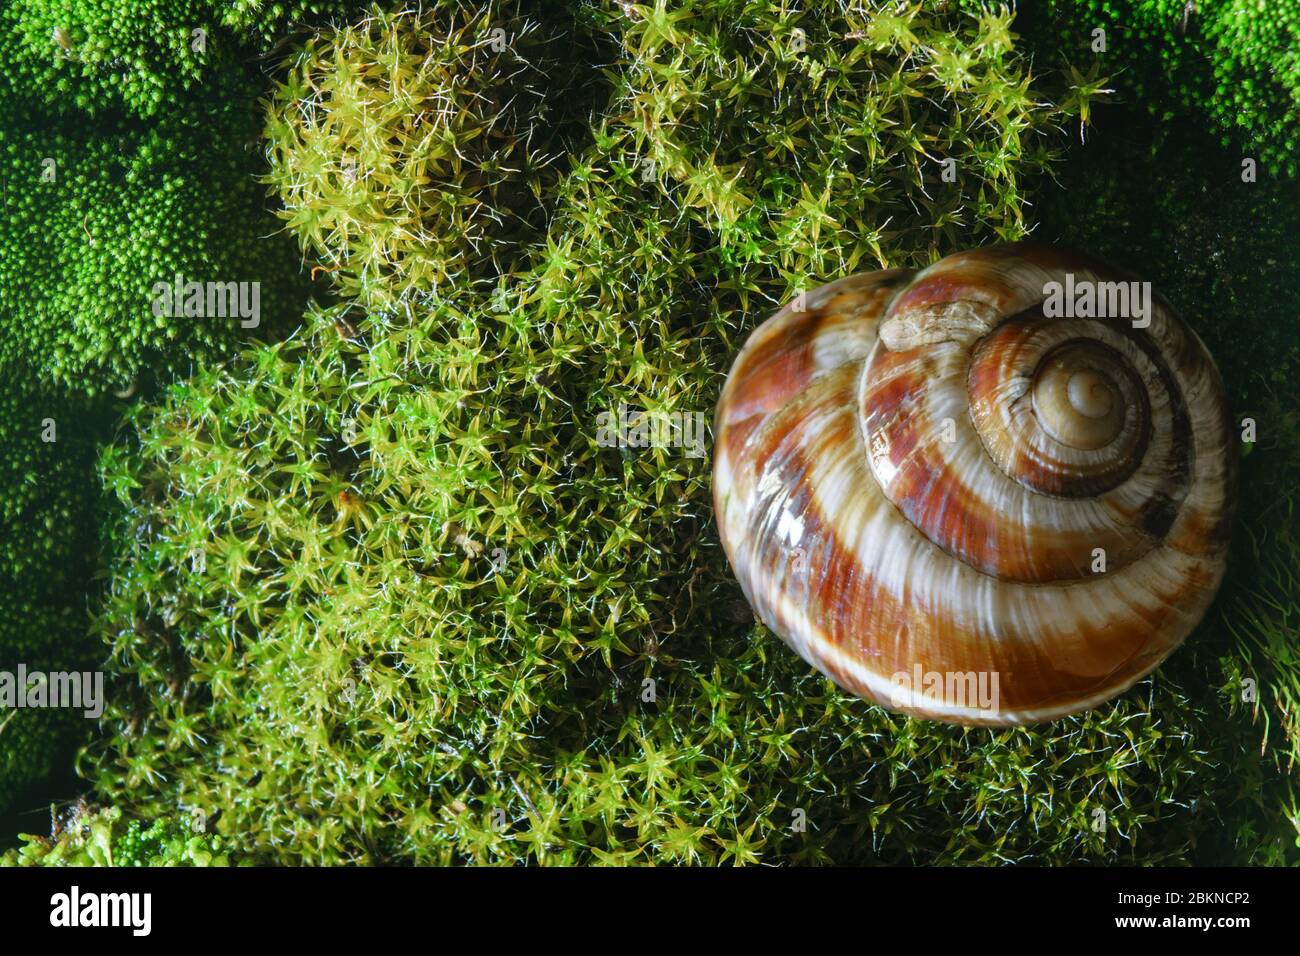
93,215
1234,62
267,21
1260,608
815,141
47,545
381,595
411,149
1167,200
144,56
35,742
87,836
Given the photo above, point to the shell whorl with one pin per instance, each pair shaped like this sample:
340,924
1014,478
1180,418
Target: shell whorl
916,473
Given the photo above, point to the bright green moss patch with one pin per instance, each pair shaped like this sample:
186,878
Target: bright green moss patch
819,141
413,148
331,658
95,214
92,54
141,56
87,836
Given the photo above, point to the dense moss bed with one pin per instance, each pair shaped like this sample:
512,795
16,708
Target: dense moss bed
366,584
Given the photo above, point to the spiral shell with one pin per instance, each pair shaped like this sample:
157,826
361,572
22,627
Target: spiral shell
957,504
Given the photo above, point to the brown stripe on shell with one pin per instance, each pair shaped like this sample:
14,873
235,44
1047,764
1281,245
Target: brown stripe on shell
789,350
963,296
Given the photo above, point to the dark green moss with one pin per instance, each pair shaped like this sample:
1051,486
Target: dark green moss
47,551
1232,64
1171,203
1168,202
94,214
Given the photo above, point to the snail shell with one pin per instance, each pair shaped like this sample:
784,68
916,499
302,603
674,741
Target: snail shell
955,505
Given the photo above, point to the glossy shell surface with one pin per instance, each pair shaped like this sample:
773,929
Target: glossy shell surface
960,506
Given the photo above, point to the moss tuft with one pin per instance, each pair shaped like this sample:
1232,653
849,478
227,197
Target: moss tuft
411,149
